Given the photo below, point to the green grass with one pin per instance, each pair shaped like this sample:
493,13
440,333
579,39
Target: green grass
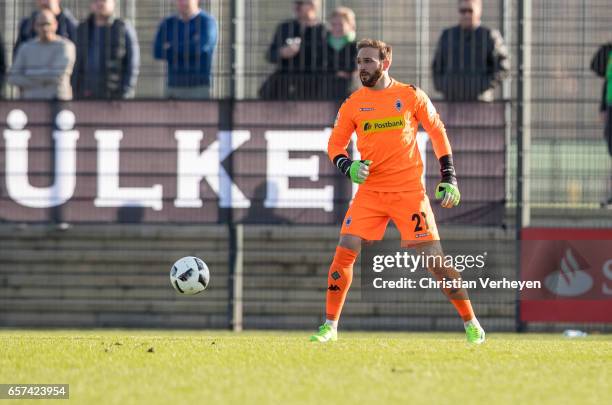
116,367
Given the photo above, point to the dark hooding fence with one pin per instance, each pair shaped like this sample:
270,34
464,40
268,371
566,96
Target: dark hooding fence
97,200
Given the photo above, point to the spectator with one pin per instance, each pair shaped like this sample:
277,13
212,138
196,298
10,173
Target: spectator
2,66
186,42
602,66
298,49
43,65
342,53
66,23
108,56
470,59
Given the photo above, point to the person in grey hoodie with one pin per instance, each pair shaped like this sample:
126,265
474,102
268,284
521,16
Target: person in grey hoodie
43,66
470,60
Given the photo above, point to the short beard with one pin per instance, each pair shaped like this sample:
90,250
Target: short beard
371,82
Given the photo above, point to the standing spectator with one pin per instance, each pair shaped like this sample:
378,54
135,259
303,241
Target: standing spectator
2,66
342,53
108,56
66,23
186,42
43,65
298,50
470,59
602,66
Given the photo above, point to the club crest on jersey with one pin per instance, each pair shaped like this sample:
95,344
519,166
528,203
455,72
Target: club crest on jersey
348,221
398,105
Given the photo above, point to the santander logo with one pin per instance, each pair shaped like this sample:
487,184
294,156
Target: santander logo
570,280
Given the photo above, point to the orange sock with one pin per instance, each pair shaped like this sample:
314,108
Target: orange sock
464,307
339,281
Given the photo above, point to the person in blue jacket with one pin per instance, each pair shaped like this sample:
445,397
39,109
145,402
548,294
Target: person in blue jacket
186,41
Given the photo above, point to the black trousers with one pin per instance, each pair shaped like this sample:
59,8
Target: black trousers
608,129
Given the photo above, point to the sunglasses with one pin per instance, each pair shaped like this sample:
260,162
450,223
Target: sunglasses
466,11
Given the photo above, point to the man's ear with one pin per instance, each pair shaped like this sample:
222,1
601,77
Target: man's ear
386,64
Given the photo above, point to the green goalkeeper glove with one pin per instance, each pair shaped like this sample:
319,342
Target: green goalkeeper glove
359,171
447,189
356,170
448,193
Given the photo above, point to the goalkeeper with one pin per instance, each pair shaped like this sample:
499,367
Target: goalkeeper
386,114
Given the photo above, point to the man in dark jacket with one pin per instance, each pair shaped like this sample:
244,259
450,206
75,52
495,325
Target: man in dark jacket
470,59
602,66
108,56
66,23
298,49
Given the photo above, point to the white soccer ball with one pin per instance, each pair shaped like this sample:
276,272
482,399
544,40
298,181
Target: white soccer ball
189,275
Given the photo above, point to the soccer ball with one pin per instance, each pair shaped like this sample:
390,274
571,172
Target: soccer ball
189,275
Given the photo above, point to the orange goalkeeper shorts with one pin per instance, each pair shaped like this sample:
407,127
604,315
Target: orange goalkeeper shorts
370,212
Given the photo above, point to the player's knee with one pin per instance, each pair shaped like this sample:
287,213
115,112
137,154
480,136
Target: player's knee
351,242
430,248
438,271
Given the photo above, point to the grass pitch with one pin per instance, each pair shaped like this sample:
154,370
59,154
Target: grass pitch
158,367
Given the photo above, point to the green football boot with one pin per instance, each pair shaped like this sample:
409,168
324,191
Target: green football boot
474,334
325,334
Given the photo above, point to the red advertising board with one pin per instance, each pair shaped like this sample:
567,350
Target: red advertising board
575,268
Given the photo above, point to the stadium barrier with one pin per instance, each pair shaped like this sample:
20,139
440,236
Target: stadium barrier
98,199
215,162
117,276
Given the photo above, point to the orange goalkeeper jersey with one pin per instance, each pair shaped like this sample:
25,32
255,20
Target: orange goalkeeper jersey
386,122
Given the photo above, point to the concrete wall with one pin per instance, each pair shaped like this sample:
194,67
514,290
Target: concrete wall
117,276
